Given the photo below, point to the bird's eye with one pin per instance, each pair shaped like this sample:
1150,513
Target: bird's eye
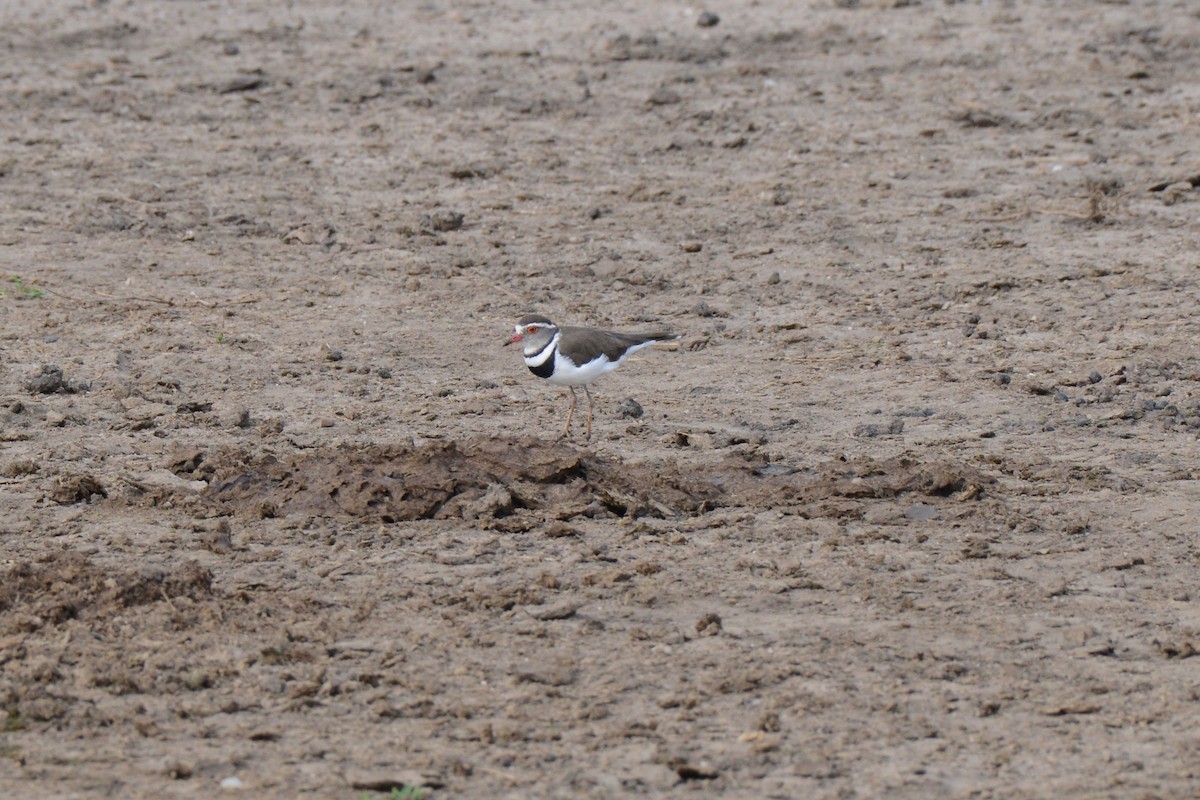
531,329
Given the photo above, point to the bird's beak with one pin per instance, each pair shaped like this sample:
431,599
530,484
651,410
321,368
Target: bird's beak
516,338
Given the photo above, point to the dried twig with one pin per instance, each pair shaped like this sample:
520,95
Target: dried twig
167,597
138,298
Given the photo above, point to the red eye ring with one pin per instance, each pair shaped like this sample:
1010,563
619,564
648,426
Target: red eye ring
531,329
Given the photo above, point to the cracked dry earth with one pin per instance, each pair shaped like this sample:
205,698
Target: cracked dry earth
911,507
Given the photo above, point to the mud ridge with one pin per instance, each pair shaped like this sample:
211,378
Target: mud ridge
489,477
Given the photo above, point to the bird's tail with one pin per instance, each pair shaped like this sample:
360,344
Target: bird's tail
655,336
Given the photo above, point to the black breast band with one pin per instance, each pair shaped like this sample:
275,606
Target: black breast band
545,369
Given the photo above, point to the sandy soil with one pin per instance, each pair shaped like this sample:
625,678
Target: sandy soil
911,508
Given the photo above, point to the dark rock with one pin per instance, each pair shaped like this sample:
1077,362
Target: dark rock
708,20
696,772
630,409
664,96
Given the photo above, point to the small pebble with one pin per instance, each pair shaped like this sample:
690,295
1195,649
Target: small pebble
895,428
242,83
663,96
1095,377
708,20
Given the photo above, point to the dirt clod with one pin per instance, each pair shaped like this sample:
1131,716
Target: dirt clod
67,586
76,489
48,380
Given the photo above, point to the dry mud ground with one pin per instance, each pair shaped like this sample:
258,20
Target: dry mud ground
911,511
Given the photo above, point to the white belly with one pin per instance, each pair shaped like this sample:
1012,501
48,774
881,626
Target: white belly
566,373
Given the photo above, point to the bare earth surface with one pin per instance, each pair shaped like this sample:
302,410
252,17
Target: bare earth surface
911,511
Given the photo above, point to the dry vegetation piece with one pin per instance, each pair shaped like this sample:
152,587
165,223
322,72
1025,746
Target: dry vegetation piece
1102,198
21,290
19,468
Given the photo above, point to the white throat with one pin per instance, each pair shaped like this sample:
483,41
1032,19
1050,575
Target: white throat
535,357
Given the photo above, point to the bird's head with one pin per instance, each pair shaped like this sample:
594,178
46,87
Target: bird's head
534,331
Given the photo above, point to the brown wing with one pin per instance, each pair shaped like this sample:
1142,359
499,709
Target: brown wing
585,344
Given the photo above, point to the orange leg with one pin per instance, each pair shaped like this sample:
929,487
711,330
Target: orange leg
571,413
